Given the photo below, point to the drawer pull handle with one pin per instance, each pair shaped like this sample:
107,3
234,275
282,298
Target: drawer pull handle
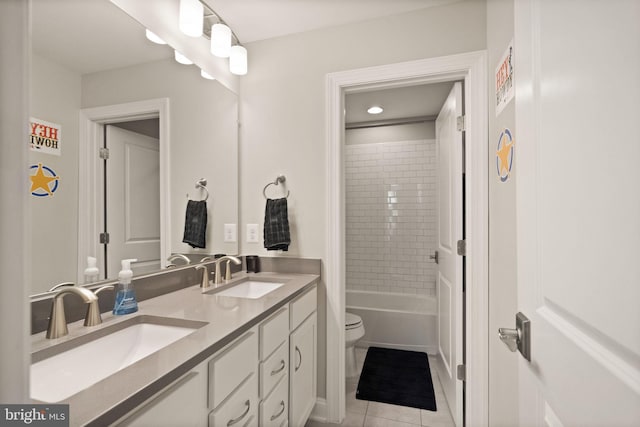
280,369
273,417
299,354
244,414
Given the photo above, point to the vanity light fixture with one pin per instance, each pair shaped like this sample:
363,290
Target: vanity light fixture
238,60
220,40
206,75
375,109
154,37
191,17
181,58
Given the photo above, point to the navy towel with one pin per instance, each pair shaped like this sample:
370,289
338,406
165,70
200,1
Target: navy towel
276,225
195,224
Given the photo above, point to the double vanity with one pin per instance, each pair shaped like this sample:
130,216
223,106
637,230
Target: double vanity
243,353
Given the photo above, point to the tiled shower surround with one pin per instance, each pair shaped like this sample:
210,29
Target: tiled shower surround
391,216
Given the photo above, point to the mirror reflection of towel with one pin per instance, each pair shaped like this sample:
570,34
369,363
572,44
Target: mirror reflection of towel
195,224
276,225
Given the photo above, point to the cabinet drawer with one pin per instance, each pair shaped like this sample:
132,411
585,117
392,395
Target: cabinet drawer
232,366
273,332
241,409
302,307
275,408
274,368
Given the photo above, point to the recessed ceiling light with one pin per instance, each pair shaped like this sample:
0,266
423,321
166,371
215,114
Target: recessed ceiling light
376,109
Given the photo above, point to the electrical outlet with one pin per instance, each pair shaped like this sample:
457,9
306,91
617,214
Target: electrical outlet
252,233
230,233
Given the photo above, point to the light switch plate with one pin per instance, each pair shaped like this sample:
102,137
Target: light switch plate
230,233
252,233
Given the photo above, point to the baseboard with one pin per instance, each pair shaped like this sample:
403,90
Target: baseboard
319,412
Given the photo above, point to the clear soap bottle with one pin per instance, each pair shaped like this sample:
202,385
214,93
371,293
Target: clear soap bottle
126,302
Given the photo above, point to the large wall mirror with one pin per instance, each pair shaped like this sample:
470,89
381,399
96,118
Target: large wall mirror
88,57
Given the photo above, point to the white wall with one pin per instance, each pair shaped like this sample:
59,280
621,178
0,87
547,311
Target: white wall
503,401
283,112
203,129
55,98
390,191
15,261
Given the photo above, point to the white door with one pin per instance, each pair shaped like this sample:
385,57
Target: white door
577,68
449,282
133,200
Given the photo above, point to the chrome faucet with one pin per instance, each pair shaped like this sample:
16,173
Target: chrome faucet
58,322
204,284
175,257
217,278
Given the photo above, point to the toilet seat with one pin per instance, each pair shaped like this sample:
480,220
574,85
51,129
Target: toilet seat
352,321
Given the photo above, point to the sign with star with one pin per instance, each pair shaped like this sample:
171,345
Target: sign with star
45,137
504,154
44,182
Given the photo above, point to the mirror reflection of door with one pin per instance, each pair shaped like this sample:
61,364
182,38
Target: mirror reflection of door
132,196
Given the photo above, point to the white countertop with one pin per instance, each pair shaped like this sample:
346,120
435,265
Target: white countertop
226,317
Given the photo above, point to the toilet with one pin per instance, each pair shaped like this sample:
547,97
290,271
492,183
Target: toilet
354,331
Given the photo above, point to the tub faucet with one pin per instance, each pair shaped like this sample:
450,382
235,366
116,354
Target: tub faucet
218,275
175,257
58,322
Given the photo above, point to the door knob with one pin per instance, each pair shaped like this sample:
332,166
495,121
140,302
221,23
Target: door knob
518,338
510,337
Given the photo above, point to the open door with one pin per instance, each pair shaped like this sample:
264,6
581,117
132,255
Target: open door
133,201
578,211
449,152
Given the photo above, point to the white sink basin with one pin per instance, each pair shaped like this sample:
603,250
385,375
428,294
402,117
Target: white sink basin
250,289
64,374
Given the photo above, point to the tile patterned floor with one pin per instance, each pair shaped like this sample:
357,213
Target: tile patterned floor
362,413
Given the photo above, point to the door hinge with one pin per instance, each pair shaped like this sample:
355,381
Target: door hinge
462,247
104,153
104,238
461,372
461,122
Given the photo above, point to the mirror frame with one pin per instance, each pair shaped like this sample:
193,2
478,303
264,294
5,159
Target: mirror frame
92,121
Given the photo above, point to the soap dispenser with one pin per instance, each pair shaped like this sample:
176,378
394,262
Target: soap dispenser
125,296
91,273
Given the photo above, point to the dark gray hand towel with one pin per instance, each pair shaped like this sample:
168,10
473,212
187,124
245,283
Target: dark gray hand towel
195,224
276,225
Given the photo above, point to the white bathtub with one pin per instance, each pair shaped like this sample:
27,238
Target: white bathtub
393,320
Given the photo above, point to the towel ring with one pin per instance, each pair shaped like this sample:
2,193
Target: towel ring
202,183
279,179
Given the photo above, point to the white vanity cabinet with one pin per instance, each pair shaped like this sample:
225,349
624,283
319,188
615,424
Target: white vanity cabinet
189,394
266,377
274,369
233,383
302,357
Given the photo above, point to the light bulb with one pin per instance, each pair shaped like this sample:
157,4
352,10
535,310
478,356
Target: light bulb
238,60
154,37
206,75
181,58
220,40
376,109
191,17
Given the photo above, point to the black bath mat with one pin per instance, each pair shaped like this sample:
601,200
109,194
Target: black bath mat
398,377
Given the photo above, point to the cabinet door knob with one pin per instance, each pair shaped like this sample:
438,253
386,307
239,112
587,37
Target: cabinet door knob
244,414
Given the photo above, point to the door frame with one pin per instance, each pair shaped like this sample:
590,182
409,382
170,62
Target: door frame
91,181
470,67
